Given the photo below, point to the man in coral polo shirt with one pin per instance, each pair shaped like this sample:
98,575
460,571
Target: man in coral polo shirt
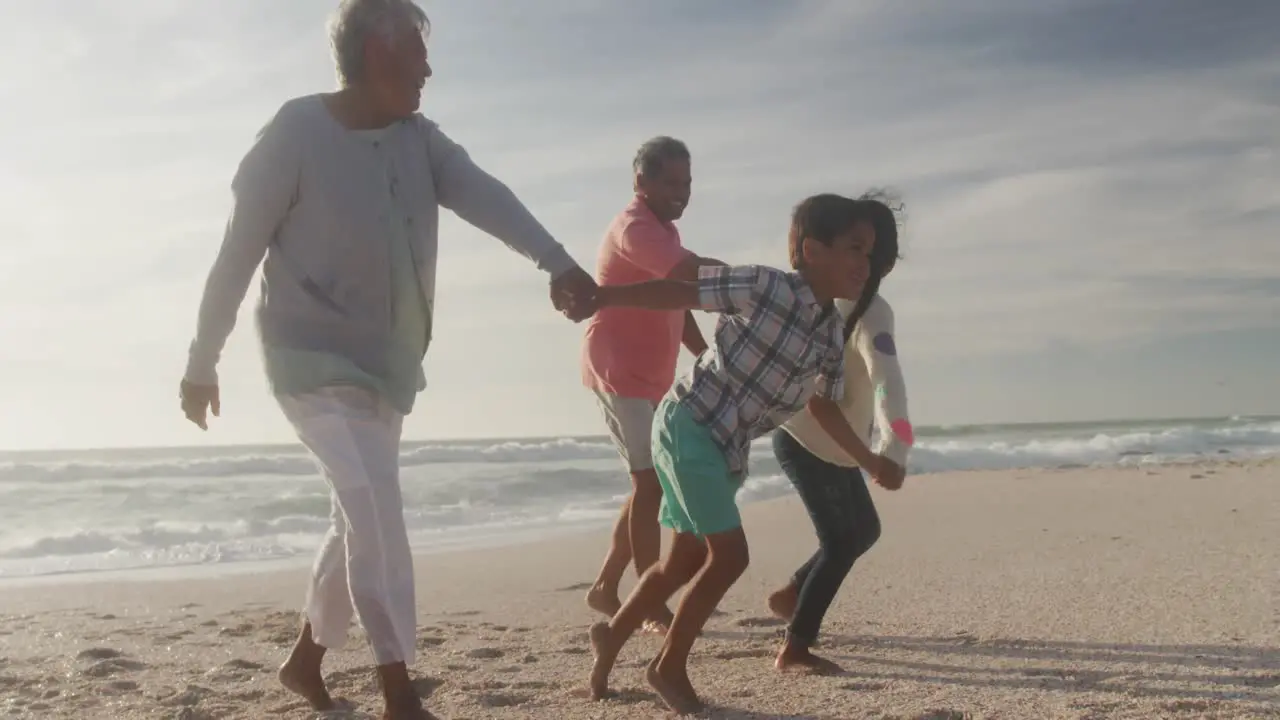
629,355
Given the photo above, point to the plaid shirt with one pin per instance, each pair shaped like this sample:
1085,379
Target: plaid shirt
775,347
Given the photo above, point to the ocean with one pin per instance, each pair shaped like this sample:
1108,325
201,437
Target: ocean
125,510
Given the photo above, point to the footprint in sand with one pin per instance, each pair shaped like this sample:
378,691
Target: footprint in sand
500,700
944,714
98,653
760,622
121,686
114,666
485,653
741,654
460,667
234,670
1188,706
483,685
621,697
429,642
864,686
573,650
531,685
241,630
426,686
578,587
187,697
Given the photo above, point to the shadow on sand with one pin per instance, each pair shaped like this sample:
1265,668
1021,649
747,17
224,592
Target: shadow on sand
1184,674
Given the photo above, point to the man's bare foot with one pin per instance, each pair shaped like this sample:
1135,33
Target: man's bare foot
783,602
302,678
604,601
605,651
674,688
793,658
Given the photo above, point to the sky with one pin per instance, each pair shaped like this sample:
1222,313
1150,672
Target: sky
1092,194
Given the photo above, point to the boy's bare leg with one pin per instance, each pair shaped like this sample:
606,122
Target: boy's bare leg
301,673
659,583
603,595
669,674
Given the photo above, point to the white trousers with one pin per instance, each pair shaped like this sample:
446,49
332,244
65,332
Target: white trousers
365,566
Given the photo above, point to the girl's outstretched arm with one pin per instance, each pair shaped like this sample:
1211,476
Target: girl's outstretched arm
876,344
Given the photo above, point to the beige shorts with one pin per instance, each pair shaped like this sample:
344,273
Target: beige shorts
630,422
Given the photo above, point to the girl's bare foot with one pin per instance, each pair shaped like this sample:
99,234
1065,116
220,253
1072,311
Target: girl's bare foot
300,674
783,602
674,687
604,600
605,651
794,658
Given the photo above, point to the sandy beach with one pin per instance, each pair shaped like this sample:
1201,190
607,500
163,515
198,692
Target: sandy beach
1145,592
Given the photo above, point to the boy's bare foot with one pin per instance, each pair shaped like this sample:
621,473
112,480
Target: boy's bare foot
304,679
605,651
783,602
793,658
674,688
604,601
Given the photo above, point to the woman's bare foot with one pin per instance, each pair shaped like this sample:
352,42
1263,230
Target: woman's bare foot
674,687
783,602
300,674
306,682
605,651
407,710
793,658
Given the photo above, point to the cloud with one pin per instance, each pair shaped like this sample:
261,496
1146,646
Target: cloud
1078,174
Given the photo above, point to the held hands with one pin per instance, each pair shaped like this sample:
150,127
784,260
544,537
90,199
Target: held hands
197,401
887,473
573,293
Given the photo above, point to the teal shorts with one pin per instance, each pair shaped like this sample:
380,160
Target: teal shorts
699,494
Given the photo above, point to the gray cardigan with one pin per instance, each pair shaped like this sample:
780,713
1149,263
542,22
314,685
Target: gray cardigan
304,200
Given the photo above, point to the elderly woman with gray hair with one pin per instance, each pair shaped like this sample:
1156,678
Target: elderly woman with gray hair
338,200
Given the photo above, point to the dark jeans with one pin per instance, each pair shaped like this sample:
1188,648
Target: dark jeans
846,522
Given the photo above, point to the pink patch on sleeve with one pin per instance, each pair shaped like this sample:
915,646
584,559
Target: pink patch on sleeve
903,430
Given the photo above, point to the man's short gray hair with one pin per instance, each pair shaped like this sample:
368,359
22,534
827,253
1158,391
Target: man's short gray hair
355,20
655,152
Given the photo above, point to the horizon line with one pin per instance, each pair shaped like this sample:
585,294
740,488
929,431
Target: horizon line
921,430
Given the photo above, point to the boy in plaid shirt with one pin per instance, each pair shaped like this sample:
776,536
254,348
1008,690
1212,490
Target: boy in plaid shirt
778,348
